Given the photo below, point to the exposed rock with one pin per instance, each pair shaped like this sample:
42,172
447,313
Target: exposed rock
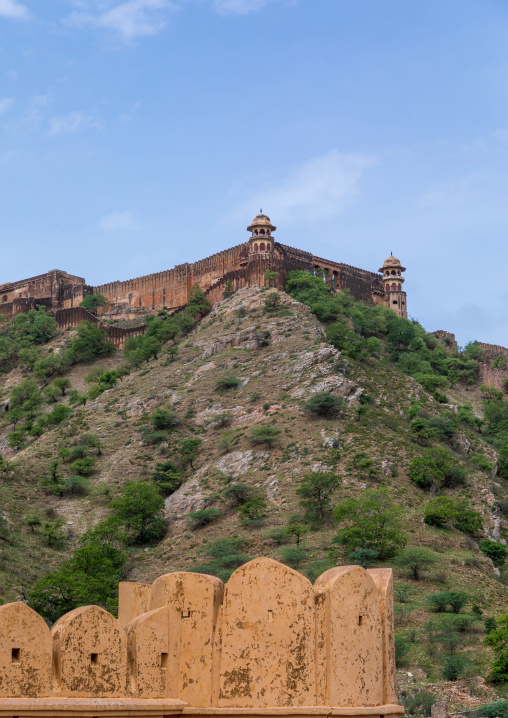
238,463
439,710
461,444
189,497
201,370
331,440
335,384
389,468
310,359
247,338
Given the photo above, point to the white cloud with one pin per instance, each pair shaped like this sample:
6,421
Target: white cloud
118,220
13,9
318,189
73,122
5,103
130,19
239,7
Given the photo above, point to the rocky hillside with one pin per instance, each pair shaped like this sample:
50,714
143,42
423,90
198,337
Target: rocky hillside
238,386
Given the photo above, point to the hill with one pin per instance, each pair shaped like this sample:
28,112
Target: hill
267,416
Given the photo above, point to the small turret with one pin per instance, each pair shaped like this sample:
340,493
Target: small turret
261,239
393,281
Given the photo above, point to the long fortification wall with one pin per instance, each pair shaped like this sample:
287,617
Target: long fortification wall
267,641
491,351
492,376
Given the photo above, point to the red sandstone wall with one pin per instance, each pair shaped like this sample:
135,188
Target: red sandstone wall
492,377
491,351
72,317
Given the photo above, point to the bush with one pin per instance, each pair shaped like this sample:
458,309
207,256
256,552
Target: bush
315,491
494,550
373,521
364,557
401,651
434,468
227,383
272,301
419,704
467,520
77,485
84,466
278,536
167,478
189,449
293,556
454,668
416,559
52,531
264,434
325,404
164,419
439,512
490,624
296,530
239,493
441,600
140,508
254,510
51,393
225,555
203,516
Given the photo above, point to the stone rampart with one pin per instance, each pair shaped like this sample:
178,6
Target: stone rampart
492,376
72,317
267,643
491,351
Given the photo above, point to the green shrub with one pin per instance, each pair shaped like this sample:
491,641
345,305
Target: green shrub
227,383
467,520
51,393
439,512
264,434
401,651
203,517
140,509
494,550
84,466
454,668
373,521
167,478
314,569
272,301
294,556
164,419
440,601
52,531
239,493
416,559
189,450
315,491
419,704
325,404
296,530
77,485
278,536
224,556
254,510
364,557
490,624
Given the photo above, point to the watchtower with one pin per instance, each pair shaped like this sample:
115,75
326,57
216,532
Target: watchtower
261,239
393,281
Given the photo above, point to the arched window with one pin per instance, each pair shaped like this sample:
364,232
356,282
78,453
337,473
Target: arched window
398,273
400,287
393,272
394,287
268,247
255,233
4,298
262,246
256,247
261,231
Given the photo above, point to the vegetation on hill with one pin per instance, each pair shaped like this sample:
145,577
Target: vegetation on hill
304,426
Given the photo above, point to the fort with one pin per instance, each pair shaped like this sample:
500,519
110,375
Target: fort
268,643
243,265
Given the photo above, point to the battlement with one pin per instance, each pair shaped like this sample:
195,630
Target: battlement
268,642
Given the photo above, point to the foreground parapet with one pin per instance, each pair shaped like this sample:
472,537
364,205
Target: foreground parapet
266,643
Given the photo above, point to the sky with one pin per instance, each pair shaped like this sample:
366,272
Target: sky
140,134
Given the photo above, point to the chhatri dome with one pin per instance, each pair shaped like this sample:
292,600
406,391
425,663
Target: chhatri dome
261,225
392,266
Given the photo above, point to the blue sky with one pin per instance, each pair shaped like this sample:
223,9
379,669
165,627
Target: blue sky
140,134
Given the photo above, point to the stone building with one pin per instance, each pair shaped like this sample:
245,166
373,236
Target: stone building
268,643
242,265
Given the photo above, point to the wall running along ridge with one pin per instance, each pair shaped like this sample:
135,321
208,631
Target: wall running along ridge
268,642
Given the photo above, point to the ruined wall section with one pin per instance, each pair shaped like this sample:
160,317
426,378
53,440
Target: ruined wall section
55,289
67,318
492,376
491,351
267,641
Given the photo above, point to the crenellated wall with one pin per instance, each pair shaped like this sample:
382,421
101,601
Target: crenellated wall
66,318
268,641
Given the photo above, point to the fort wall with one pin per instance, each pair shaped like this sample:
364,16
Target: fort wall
67,318
491,376
268,641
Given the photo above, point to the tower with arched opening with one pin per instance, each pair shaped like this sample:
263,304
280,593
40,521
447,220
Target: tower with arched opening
393,281
261,240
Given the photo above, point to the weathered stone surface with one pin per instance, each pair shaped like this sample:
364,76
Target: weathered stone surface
461,444
237,463
147,654
350,639
383,579
268,633
25,652
331,439
192,601
189,497
133,600
89,654
389,468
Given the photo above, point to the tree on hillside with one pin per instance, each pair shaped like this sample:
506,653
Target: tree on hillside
140,509
372,521
93,301
316,490
416,559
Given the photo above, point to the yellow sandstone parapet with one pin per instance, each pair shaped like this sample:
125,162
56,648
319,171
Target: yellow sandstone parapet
266,644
